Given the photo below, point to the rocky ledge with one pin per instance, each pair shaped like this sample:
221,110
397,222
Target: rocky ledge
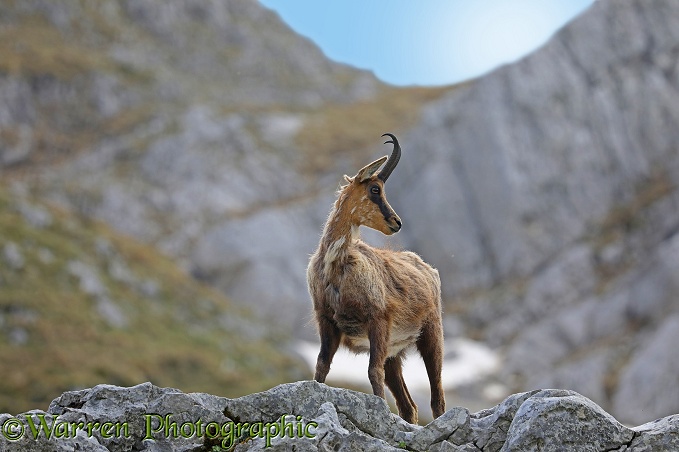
312,416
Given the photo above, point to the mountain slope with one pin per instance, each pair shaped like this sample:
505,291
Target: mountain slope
171,122
81,305
552,195
77,72
184,124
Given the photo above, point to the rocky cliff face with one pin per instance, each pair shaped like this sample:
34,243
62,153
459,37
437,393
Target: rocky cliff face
551,188
545,192
314,417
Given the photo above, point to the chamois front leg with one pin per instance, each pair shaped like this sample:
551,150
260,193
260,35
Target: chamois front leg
378,335
330,341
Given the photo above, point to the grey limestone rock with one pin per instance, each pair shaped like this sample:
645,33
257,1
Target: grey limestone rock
13,256
453,427
148,411
309,416
564,420
360,411
659,435
490,426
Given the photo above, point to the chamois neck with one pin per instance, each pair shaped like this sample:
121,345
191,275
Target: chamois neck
339,227
338,234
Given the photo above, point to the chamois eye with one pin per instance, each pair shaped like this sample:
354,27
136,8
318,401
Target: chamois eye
375,190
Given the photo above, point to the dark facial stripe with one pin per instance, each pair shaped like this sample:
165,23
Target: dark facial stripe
384,209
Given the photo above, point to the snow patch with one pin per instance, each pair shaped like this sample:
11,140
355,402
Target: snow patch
466,361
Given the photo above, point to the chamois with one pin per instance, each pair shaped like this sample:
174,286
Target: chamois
372,300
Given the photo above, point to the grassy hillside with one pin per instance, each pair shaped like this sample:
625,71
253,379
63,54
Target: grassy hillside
351,129
81,305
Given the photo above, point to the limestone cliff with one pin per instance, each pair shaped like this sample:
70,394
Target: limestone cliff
547,194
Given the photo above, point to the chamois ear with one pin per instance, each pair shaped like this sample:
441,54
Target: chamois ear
367,171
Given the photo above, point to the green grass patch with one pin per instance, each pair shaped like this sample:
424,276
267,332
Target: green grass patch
53,337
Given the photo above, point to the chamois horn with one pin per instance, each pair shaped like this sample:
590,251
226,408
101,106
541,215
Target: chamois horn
393,159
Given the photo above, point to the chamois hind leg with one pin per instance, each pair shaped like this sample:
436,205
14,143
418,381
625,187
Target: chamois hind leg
393,377
330,341
430,346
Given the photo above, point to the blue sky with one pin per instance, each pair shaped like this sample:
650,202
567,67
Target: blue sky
427,42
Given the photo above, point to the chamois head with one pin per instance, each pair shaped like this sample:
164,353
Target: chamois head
365,198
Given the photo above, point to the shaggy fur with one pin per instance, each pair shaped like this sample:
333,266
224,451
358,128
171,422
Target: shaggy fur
372,300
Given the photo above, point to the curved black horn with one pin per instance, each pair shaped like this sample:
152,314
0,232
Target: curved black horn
393,159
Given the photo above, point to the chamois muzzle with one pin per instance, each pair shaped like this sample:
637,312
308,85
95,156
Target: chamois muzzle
394,224
393,159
